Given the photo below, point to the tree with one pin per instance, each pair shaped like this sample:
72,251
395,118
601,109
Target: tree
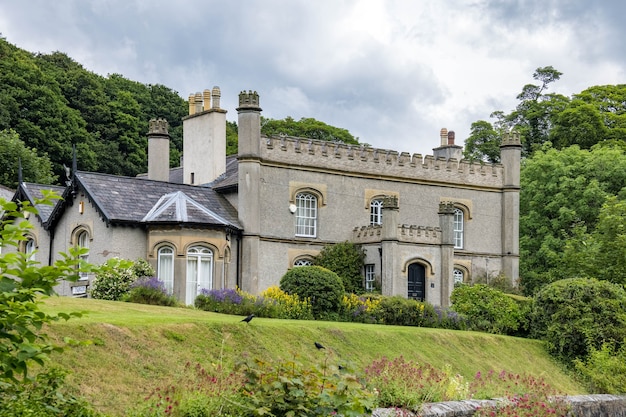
14,152
483,143
22,284
307,128
600,254
346,260
561,191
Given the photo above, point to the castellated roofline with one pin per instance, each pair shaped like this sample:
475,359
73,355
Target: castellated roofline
380,162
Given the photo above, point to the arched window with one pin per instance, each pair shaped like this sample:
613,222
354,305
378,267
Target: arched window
199,272
458,276
376,211
165,268
29,248
82,241
303,262
458,228
306,215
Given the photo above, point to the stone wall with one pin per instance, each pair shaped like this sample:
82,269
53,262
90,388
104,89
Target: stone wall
600,405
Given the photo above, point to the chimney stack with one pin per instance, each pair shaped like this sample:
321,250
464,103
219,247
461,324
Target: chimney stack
204,138
447,149
158,150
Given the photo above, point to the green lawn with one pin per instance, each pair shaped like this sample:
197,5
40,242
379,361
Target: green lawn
138,347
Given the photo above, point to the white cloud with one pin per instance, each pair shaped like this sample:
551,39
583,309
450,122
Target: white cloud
393,72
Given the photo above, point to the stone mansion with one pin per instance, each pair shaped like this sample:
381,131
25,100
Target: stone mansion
424,222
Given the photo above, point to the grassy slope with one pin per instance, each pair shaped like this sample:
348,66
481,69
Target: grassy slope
138,347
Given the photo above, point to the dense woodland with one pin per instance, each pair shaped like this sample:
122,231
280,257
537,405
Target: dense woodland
573,198
49,102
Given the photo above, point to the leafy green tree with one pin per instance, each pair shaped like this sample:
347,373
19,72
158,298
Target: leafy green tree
22,284
562,191
534,115
600,254
14,152
307,128
483,143
346,259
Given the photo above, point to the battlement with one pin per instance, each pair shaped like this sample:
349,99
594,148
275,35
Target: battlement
511,139
158,127
365,160
427,235
249,100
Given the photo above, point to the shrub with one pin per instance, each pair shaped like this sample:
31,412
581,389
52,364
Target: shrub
114,281
235,301
604,370
360,309
290,305
289,388
320,285
401,311
487,309
576,315
150,291
43,396
346,260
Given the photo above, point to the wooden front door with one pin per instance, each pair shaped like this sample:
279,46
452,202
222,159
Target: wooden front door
416,282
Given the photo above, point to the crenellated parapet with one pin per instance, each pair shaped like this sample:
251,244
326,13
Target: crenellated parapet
511,139
366,160
249,100
426,235
158,127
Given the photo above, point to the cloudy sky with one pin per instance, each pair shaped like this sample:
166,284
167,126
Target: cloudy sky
392,72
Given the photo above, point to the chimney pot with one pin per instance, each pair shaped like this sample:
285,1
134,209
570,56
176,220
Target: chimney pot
444,136
451,137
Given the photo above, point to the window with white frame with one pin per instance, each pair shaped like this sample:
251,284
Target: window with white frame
165,268
376,211
82,241
199,272
370,277
303,262
458,276
306,215
458,228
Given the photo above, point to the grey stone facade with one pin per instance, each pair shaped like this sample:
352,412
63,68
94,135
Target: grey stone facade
422,220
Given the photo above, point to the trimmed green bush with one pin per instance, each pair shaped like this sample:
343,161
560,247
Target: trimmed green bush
577,315
321,286
346,260
487,309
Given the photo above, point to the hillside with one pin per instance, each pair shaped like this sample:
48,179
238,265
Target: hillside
137,347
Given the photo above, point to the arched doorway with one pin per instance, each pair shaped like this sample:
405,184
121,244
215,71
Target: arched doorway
416,283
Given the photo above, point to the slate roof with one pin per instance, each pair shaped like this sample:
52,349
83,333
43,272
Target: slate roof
131,200
6,193
229,179
31,192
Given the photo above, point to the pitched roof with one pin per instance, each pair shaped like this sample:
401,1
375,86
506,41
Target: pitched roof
131,200
230,178
31,192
